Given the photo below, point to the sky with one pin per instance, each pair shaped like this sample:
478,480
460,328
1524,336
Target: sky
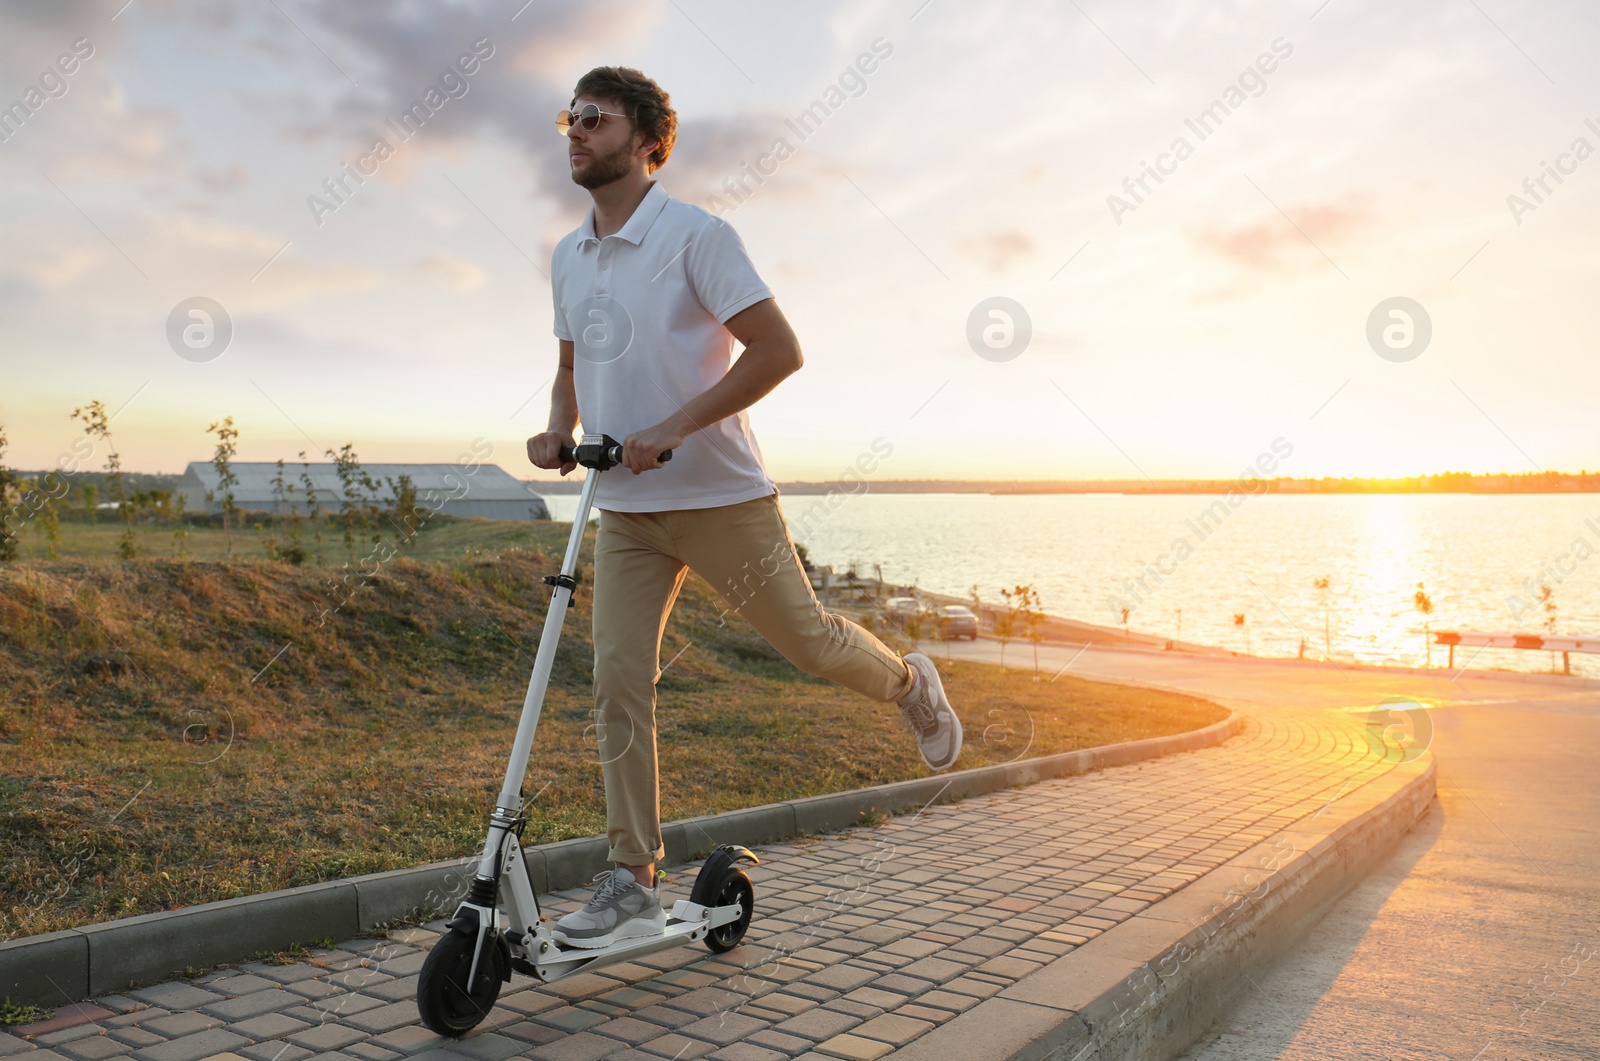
1303,166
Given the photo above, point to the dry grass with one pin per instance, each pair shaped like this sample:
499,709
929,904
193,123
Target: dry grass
162,747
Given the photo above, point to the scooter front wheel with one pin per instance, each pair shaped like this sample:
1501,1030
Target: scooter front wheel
447,1003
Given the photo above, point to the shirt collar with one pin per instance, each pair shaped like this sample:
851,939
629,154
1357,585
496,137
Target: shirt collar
644,215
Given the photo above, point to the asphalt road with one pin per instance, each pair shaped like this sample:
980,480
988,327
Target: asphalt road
1479,937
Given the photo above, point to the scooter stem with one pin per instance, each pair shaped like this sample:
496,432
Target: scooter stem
533,703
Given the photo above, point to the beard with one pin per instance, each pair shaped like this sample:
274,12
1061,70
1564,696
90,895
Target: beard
603,169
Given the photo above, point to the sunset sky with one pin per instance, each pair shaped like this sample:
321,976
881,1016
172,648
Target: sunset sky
1175,335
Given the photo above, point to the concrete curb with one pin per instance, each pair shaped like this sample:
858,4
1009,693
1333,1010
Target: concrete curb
83,963
1152,985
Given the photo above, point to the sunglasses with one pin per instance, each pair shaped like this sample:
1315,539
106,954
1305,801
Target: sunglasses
589,116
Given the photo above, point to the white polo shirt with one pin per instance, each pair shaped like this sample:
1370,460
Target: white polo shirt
645,309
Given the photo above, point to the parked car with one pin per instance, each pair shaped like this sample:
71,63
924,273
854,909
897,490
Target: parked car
957,620
902,609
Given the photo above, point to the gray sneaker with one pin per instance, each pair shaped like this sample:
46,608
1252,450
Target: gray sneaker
620,908
928,714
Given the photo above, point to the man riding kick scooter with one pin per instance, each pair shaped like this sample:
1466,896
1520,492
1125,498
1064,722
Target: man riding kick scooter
650,295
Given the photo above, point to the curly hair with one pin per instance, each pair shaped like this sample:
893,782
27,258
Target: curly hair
647,105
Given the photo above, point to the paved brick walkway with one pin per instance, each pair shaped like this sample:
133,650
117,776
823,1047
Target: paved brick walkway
862,941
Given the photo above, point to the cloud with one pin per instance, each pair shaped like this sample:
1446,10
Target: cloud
1274,246
997,250
463,276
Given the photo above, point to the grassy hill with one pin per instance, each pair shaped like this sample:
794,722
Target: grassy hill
175,731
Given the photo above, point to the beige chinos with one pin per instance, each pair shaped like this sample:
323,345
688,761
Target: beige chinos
745,552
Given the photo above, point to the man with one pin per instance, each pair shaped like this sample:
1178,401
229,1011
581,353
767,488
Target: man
650,295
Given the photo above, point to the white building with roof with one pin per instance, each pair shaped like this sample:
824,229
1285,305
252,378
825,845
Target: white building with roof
488,491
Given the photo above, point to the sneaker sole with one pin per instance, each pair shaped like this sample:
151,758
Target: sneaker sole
634,928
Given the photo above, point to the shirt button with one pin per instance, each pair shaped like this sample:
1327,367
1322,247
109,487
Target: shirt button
604,267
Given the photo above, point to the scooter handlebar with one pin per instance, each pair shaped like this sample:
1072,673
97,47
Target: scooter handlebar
601,456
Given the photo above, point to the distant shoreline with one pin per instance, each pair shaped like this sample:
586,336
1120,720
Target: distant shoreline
1529,483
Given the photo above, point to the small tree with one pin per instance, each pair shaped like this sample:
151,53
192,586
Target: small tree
1322,584
8,536
44,502
1023,604
1125,613
91,501
1239,621
222,460
347,466
1424,604
1004,629
180,530
313,504
97,425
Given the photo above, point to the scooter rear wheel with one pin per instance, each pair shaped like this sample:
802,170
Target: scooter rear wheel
735,887
448,1005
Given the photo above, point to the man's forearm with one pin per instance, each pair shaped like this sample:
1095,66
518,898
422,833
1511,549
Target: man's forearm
563,402
759,369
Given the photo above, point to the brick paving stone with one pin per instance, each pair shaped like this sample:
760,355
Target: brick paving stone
665,1016
782,1041
818,1024
268,1026
580,1047
94,1048
193,1047
746,1052
1012,968
274,1050
347,1005
905,985
686,978
924,1013
488,1047
844,977
240,984
243,1007
409,1040
136,1037
630,1030
570,1019
395,990
529,1032
893,1028
871,996
815,992
853,1048
787,1003
367,1052
327,1037
676,1046
174,995
315,990
174,1025
724,1028
384,1018
706,1000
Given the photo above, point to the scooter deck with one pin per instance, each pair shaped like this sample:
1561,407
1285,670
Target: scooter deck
556,962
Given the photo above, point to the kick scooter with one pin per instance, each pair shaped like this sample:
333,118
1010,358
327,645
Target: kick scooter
498,928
